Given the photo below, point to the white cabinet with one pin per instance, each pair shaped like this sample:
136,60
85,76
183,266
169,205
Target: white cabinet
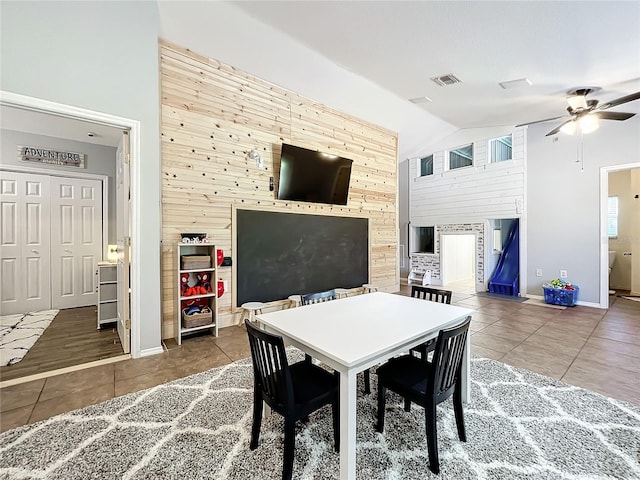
197,303
107,287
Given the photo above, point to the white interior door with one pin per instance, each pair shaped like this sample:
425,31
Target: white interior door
24,242
123,239
76,240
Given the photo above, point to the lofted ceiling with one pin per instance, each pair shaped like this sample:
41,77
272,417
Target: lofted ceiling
368,58
399,46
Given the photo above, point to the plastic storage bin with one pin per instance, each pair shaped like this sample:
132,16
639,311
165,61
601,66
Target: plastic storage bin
561,296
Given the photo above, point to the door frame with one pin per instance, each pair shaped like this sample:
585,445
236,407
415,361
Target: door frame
604,236
46,106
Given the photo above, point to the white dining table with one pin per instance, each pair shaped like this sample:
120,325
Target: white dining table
355,333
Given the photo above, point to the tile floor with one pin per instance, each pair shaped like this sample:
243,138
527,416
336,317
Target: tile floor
592,348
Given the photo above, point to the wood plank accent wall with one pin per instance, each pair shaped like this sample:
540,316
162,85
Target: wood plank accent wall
213,115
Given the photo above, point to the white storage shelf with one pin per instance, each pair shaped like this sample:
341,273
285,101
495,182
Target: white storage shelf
208,299
107,286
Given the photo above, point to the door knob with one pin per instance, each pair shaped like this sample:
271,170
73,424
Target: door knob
35,251
67,250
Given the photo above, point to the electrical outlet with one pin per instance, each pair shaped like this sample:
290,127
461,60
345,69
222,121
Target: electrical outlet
563,274
538,272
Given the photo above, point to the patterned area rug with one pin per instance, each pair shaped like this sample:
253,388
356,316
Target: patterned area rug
520,426
18,333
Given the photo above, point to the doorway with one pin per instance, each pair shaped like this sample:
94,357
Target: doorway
59,121
458,252
621,273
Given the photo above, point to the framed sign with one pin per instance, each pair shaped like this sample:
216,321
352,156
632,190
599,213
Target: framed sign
50,157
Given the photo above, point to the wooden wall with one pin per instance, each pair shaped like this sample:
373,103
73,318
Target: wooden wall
212,116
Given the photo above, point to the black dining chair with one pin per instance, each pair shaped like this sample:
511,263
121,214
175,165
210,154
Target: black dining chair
325,297
319,297
294,391
433,295
428,383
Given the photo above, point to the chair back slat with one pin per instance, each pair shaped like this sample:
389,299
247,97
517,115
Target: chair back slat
447,359
270,367
319,297
431,294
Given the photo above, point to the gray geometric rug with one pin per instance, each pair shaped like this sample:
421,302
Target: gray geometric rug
520,426
19,332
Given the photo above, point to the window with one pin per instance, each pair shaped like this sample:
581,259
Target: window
501,149
426,166
612,217
423,240
461,157
497,240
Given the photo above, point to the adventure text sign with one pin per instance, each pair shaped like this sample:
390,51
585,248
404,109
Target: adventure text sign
51,157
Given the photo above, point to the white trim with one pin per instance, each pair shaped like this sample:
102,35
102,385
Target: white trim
475,257
604,235
151,351
104,179
582,304
61,371
523,216
46,106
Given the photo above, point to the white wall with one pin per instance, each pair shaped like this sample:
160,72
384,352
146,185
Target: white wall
471,194
99,160
101,56
563,203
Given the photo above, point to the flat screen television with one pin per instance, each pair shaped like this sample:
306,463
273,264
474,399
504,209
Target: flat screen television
311,176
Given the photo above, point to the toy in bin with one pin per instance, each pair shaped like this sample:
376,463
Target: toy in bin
560,292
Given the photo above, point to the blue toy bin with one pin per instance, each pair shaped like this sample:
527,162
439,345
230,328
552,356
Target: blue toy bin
561,296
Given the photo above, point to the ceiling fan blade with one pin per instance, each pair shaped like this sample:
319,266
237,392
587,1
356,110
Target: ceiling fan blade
541,121
613,115
619,101
557,129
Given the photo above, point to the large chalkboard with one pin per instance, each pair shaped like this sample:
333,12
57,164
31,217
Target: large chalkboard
282,254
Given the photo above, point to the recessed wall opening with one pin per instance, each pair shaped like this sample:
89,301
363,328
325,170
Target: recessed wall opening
458,253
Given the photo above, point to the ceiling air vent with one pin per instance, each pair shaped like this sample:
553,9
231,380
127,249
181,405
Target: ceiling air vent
448,79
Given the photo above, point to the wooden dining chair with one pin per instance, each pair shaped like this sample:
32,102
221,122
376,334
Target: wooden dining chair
294,391
433,295
326,297
428,383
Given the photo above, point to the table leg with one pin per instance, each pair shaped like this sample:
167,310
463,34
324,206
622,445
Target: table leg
347,425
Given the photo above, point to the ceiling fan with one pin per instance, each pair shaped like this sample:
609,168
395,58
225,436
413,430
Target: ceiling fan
584,115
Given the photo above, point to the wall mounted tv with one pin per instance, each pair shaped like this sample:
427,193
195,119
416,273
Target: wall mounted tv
310,176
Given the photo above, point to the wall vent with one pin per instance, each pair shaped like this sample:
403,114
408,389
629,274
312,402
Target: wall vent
448,79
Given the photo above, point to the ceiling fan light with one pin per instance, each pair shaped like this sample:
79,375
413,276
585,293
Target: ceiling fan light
569,128
589,123
577,101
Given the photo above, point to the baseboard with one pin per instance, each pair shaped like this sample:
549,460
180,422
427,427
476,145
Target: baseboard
151,351
582,304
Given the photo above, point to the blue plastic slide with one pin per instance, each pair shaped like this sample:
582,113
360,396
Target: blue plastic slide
505,279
